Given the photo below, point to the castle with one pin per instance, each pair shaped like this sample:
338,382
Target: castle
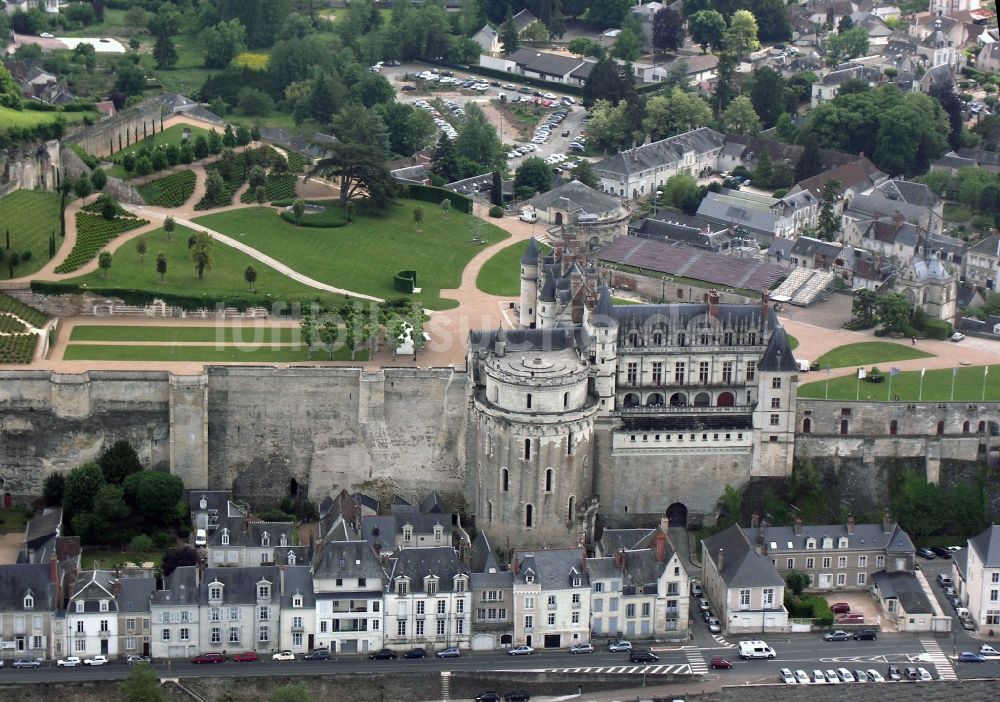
624,408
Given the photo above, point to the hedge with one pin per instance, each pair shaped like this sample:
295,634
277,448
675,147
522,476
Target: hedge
405,281
430,193
937,329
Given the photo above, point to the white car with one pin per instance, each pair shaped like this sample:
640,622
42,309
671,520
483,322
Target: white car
46,35
785,676
620,646
818,678
987,650
875,676
96,660
521,651
283,656
923,675
69,662
845,675
801,678
957,336
831,677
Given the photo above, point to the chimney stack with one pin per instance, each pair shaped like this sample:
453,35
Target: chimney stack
798,526
661,546
850,523
886,522
719,561
754,521
620,559
515,566
117,587
713,303
664,523
765,302
281,576
583,560
54,578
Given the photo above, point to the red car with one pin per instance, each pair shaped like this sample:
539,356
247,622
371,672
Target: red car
720,662
840,608
851,619
209,658
245,657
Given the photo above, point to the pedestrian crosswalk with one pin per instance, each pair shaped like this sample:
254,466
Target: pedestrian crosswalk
696,661
719,639
935,655
674,669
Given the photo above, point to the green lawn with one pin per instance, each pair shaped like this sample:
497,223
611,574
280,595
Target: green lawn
31,217
501,275
954,212
906,385
108,558
189,73
13,520
246,333
224,278
364,255
171,135
29,118
622,301
868,353
206,354
793,343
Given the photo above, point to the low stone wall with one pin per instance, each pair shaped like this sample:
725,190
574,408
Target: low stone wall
661,289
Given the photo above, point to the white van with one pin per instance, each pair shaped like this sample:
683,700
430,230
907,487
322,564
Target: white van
529,216
755,649
200,537
803,366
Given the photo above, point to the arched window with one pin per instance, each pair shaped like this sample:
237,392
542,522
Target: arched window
527,449
549,475
893,427
504,479
940,428
565,399
489,510
982,427
528,401
569,444
225,537
529,516
570,508
965,427
843,426
807,426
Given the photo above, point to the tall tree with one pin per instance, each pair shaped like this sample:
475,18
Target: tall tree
496,190
674,113
725,87
161,264
142,685
741,38
772,19
770,96
811,161
201,253
250,275
510,40
478,141
953,107
165,52
668,30
445,164
533,176
708,28
848,44
119,461
740,117
829,221
223,42
608,13
583,171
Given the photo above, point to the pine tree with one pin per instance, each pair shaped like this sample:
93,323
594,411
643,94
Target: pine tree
810,163
165,54
764,172
445,160
509,38
496,190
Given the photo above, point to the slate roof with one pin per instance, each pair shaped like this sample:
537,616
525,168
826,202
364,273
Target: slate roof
381,530
878,205
780,249
553,569
418,563
485,37
989,246
810,247
682,233
297,580
180,588
687,261
860,175
603,310
662,152
730,208
544,62
521,340
908,191
987,546
240,584
135,595
346,559
742,566
778,356
16,580
961,560
906,588
432,504
530,256
522,20
889,231
91,587
864,537
926,269
745,145
575,197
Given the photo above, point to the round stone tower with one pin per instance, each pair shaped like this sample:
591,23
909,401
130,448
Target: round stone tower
529,284
535,422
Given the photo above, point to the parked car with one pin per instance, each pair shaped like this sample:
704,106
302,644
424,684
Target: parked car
620,646
211,657
283,656
96,660
818,678
785,676
488,696
923,675
840,608
383,654
714,625
957,336
68,662
874,676
245,657
801,678
831,677
449,653
851,619
910,673
970,657
838,635
860,676
941,552
27,663
987,650
845,675
46,35
696,590
581,648
643,657
140,660
894,673
721,663
317,654
925,553
944,581
703,604
865,635
415,653
517,696
520,651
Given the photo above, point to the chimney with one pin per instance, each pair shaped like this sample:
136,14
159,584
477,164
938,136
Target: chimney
713,303
281,576
661,546
515,566
886,522
850,523
117,587
583,560
719,561
759,548
754,521
54,578
664,523
765,302
620,559
798,526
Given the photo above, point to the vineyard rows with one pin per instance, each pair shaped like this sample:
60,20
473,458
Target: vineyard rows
18,348
170,191
280,186
93,232
18,309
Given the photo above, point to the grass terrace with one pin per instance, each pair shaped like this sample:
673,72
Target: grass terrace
227,333
93,233
173,134
169,191
936,386
31,217
204,354
501,275
365,255
29,118
868,353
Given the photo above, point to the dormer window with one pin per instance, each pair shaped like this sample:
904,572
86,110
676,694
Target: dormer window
225,537
529,577
297,601
431,586
29,601
215,591
79,606
104,605
264,591
438,533
283,541
577,581
460,583
810,543
407,534
265,539
203,503
827,542
842,543
402,587
291,558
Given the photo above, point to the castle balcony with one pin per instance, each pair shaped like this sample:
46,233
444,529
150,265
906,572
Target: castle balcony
684,409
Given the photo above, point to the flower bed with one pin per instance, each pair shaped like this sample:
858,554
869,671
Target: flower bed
93,232
18,309
170,191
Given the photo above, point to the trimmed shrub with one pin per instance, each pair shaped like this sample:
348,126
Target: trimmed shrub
496,211
429,193
937,329
405,281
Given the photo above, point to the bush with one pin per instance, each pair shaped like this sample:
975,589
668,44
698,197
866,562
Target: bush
405,281
141,543
164,539
429,193
496,211
937,329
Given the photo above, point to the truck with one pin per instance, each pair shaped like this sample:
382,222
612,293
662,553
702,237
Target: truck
755,649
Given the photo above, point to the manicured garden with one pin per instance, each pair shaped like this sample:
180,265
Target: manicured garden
868,352
18,348
171,135
364,255
937,384
280,186
31,217
93,233
169,191
501,275
16,308
204,354
224,333
11,325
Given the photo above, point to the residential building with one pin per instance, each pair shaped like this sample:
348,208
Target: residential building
297,619
348,581
663,227
29,603
858,176
982,263
488,40
135,627
532,63
742,584
174,612
92,614
40,536
240,540
902,597
640,592
238,609
428,600
828,86
978,572
492,597
815,254
552,594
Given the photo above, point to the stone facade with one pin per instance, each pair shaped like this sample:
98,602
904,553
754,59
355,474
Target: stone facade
127,127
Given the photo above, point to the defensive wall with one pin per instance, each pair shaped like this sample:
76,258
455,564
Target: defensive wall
127,127
269,432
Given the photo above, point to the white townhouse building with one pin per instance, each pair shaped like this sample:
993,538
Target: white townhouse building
240,609
297,619
173,612
551,598
92,615
977,576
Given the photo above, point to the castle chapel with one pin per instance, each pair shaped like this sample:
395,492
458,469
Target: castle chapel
631,410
